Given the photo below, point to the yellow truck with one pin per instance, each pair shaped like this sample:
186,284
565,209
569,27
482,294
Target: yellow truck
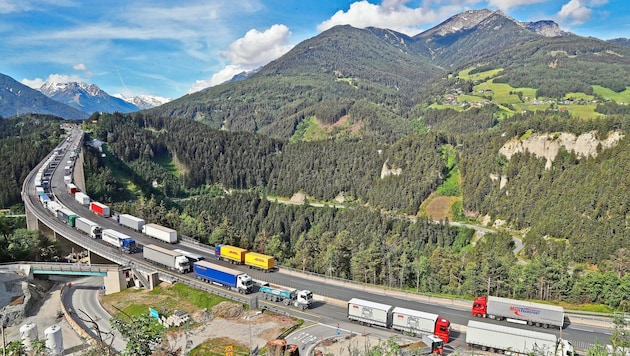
259,261
229,253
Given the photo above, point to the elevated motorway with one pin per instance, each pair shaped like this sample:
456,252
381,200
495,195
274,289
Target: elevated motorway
332,294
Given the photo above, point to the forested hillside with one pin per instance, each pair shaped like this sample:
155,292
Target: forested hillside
24,142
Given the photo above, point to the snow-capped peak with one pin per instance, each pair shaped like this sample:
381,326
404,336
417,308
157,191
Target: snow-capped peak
51,88
144,101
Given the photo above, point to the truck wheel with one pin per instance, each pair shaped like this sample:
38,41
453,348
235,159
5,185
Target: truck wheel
546,326
478,315
303,307
286,302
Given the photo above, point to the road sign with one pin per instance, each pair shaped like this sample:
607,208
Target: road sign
229,350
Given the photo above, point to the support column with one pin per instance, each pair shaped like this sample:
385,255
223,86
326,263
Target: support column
114,282
31,220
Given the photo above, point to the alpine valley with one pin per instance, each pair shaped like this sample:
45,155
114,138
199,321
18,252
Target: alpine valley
483,119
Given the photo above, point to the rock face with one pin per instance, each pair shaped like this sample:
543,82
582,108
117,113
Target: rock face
461,22
547,145
546,28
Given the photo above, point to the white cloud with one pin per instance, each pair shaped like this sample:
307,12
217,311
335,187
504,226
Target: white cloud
79,66
508,4
577,12
392,14
53,78
251,51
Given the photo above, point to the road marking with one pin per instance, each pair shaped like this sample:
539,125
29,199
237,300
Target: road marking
587,330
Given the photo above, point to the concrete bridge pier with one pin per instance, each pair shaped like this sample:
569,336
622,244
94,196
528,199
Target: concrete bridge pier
32,223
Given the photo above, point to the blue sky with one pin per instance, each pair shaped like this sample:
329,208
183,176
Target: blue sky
170,48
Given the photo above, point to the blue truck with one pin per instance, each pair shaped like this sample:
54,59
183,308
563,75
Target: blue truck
223,276
119,240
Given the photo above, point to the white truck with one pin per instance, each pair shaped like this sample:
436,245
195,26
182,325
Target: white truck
82,198
89,227
160,232
369,313
301,299
170,259
416,322
119,240
504,339
131,222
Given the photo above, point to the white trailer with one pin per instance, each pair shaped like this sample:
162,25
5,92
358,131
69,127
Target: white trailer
541,315
502,339
160,232
130,221
414,321
82,198
89,227
119,240
369,313
170,259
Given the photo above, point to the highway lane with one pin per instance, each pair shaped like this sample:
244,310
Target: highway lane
329,312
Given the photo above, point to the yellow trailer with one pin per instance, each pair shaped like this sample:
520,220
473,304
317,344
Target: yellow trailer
231,253
259,261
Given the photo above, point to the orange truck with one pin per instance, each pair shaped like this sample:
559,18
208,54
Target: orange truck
229,253
259,261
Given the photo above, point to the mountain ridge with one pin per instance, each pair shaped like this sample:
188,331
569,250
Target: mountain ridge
86,97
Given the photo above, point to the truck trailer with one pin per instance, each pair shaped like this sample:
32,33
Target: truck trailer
160,232
89,227
192,257
418,322
131,222
541,315
170,259
67,216
301,299
503,339
100,209
233,254
82,198
71,188
223,276
259,261
119,240
370,313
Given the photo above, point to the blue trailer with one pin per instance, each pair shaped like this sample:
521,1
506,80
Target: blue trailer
223,276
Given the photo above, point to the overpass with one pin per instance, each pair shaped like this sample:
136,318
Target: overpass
59,268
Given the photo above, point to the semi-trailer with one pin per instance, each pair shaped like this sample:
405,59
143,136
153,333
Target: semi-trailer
89,227
541,315
72,189
53,206
67,216
417,322
170,259
160,232
407,320
82,198
504,339
130,221
67,179
301,299
223,276
119,240
100,209
259,261
232,254
67,170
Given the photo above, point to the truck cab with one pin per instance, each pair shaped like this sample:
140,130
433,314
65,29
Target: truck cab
244,283
480,307
96,232
182,264
565,348
128,245
304,297
443,329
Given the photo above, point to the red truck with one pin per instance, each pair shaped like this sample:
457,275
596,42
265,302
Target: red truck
100,209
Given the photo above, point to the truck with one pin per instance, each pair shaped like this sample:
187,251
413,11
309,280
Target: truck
67,179
301,299
82,198
170,259
192,257
417,322
160,232
430,345
100,209
119,240
259,261
67,170
67,216
504,339
130,221
223,276
233,254
53,206
72,189
89,227
369,313
541,315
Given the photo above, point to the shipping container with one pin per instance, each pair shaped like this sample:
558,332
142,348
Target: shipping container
229,253
259,261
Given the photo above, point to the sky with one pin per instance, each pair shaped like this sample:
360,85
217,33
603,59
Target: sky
171,48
